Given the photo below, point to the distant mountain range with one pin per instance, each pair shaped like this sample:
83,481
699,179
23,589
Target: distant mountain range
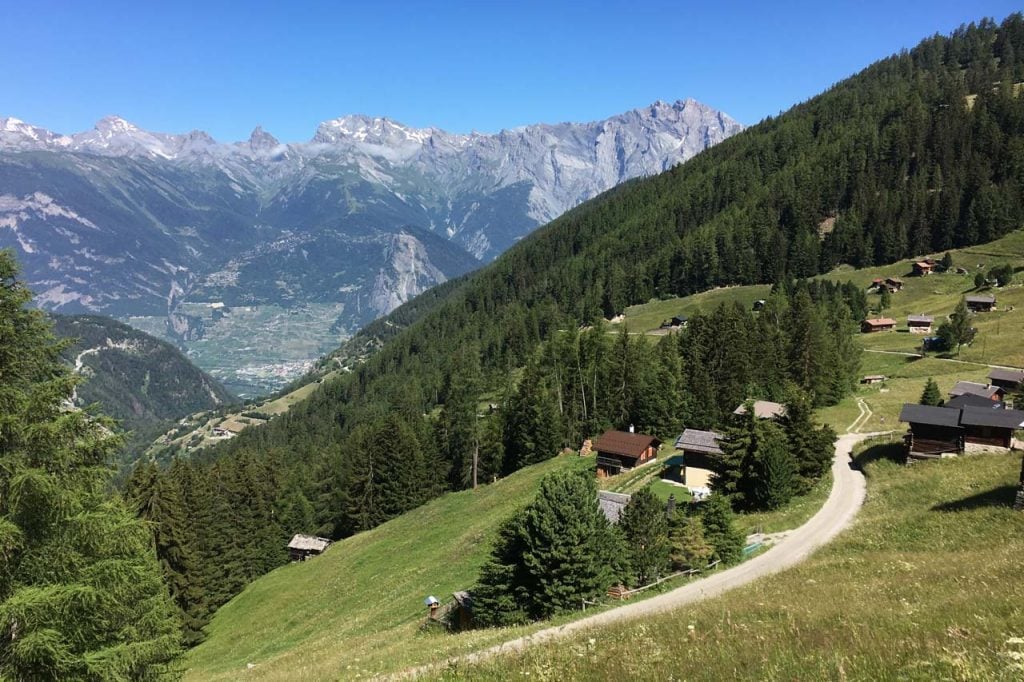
361,218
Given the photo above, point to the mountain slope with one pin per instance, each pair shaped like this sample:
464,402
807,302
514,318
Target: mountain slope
152,227
888,163
141,381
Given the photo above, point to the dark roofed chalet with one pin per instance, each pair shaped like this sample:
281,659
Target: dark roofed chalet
938,431
974,388
934,431
971,400
985,426
1007,379
920,324
619,451
981,303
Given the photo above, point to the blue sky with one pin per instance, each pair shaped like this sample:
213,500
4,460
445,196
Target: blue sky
226,67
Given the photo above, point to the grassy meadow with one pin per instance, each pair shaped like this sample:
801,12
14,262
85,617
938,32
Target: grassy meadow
925,586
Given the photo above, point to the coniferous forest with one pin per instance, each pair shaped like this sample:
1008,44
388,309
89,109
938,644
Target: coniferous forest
922,151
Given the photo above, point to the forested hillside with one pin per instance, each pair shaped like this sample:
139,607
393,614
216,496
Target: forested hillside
139,380
920,152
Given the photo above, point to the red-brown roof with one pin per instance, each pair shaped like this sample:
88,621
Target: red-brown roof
625,444
880,321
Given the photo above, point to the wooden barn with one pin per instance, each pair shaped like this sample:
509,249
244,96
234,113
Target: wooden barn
893,284
873,379
971,400
981,303
303,547
1007,379
993,428
934,431
924,267
920,324
460,613
701,458
878,324
619,451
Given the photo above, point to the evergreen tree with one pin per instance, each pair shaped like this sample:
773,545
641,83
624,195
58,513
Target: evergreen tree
531,426
557,552
645,528
80,590
931,395
690,548
980,282
775,479
811,445
947,261
498,598
719,529
957,331
884,299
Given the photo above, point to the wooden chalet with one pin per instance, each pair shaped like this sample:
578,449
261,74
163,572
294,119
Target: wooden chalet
612,504
229,428
1007,379
701,458
971,400
924,267
920,324
303,547
933,431
878,324
973,388
981,303
619,451
945,431
873,379
994,428
894,284
763,409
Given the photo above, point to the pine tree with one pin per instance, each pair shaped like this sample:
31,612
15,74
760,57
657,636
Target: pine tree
884,299
557,552
531,426
811,445
498,598
947,261
776,474
719,529
645,528
80,591
931,395
690,548
957,331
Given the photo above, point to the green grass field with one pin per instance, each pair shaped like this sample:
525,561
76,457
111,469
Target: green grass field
356,611
925,586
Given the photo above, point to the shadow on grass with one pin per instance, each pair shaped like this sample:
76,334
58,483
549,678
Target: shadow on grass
1003,496
893,452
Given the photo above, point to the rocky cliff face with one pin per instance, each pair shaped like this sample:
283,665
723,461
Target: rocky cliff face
367,214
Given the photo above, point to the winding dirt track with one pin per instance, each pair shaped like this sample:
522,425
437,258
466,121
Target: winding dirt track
842,505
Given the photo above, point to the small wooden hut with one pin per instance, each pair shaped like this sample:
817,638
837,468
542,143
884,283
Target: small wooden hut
303,547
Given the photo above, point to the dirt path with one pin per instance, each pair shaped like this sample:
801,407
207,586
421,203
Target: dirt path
844,500
862,418
962,362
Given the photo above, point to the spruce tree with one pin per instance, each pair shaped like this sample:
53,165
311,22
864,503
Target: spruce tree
776,474
931,394
720,530
957,331
645,528
498,598
812,446
80,590
531,422
884,299
690,548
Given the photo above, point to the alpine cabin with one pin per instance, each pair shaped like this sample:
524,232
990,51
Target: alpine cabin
981,303
878,324
619,451
920,324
